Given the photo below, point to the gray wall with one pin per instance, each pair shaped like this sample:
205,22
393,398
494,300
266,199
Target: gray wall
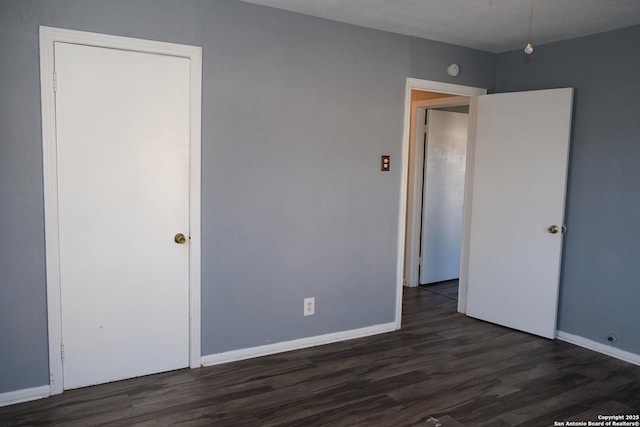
600,285
296,112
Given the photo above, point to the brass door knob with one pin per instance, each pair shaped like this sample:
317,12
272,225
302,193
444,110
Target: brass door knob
180,239
553,229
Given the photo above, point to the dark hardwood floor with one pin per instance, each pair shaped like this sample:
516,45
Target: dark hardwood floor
448,288
442,368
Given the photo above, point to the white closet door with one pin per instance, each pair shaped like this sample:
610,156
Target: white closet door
122,122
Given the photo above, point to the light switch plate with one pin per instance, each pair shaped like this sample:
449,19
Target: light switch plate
385,163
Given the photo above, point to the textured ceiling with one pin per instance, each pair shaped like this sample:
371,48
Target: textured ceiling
490,25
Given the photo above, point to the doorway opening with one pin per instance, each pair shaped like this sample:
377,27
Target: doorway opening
435,194
422,96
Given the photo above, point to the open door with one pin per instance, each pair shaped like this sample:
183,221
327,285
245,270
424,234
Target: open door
517,210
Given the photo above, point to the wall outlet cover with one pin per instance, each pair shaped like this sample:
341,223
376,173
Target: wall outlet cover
309,306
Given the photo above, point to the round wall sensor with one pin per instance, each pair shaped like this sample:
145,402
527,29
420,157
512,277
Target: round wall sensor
453,70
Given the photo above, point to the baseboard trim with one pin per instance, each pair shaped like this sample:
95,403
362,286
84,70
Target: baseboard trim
24,395
599,347
281,347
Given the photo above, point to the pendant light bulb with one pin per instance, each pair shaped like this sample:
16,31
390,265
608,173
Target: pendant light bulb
528,49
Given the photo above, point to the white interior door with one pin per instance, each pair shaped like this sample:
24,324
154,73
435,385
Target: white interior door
443,195
122,121
519,182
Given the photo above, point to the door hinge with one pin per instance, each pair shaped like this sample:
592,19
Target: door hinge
55,81
62,352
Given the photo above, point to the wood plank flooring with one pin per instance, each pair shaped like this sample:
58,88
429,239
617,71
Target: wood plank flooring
442,368
448,288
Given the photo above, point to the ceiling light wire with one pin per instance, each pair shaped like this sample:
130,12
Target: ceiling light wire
529,48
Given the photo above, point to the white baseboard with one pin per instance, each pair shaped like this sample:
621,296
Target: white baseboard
281,347
600,348
24,395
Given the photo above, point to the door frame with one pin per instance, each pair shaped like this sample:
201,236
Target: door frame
453,89
49,36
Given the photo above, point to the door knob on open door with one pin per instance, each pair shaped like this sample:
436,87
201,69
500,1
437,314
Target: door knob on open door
553,229
180,239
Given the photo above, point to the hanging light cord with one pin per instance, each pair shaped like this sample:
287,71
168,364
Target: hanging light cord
530,21
529,49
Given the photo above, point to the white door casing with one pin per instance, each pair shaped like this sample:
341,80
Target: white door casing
411,276
122,176
519,183
443,195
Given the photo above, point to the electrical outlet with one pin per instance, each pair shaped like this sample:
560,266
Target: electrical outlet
309,306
